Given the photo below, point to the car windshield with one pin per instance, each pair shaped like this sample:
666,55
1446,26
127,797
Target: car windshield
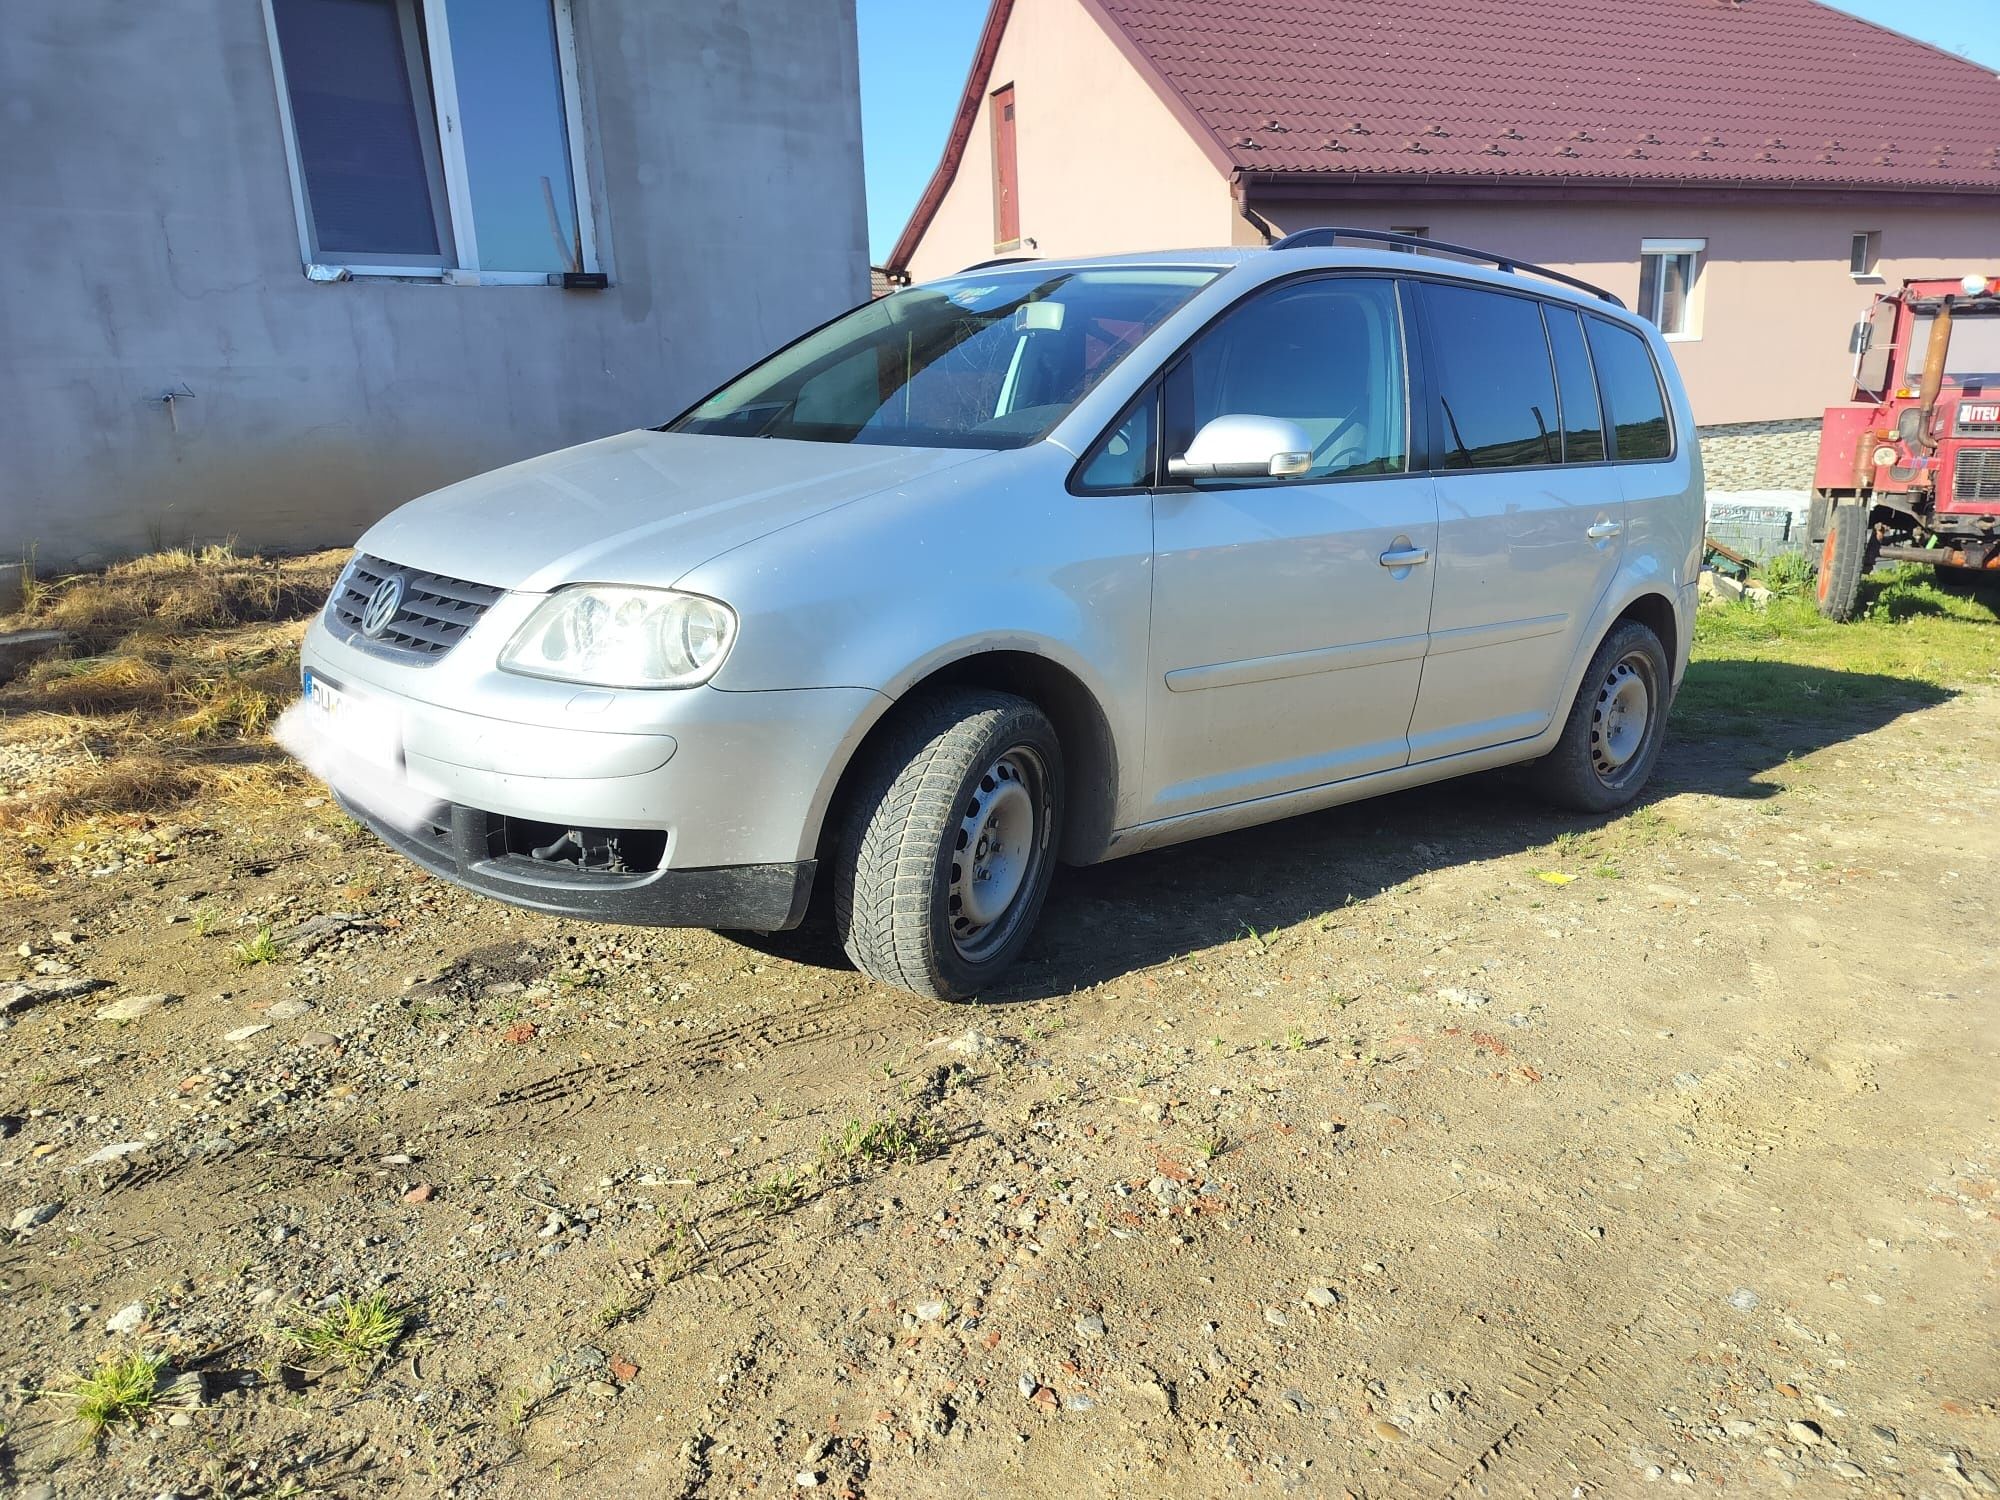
985,360
1974,355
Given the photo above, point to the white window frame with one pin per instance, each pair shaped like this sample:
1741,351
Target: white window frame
457,232
1869,241
1698,248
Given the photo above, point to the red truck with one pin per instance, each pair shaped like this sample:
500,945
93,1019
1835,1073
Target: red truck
1909,469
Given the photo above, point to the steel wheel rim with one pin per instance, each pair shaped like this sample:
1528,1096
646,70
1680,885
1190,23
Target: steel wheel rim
1621,720
997,852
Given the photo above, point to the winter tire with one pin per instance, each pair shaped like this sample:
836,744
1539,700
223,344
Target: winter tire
949,842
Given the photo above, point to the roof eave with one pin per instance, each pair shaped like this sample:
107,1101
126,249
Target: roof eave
1279,186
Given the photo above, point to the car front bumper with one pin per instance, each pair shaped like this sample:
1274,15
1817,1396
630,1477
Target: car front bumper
466,846
725,791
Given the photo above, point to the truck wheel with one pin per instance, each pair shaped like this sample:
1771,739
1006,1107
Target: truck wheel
1843,559
949,843
1615,727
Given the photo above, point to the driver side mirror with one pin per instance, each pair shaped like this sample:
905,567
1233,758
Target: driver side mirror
1858,339
1245,447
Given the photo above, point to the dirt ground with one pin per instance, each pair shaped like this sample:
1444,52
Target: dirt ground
1435,1146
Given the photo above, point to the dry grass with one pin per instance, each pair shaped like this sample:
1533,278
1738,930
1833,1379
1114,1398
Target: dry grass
182,660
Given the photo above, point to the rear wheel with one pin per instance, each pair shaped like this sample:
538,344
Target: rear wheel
949,843
1842,559
1615,727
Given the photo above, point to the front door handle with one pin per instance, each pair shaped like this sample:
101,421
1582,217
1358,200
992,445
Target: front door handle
1604,530
1405,557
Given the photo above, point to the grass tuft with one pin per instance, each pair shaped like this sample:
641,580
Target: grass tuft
261,949
356,1332
119,1392
908,1138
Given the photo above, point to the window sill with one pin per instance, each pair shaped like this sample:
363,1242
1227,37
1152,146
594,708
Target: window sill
1866,278
449,277
1682,338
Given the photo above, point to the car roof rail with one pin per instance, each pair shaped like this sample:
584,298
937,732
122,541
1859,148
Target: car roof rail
998,260
1332,234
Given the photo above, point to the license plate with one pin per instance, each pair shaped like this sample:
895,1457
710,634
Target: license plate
363,727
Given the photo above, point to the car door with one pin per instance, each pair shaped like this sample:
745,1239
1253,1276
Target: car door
1290,615
1529,514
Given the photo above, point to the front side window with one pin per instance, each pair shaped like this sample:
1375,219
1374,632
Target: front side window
432,135
985,360
1327,354
1496,389
1668,270
1631,385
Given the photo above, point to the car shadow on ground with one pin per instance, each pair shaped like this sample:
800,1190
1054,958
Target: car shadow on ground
1733,722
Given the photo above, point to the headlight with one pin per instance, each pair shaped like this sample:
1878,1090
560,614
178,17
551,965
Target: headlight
619,637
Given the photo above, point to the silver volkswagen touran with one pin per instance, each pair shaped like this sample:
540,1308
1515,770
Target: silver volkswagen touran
1046,560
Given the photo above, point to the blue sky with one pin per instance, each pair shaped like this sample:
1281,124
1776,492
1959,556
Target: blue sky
914,54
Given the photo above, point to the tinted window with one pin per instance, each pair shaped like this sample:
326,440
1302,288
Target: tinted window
1583,420
1327,354
989,360
1123,457
1496,389
1631,387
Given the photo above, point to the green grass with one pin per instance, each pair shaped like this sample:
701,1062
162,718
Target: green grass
1913,644
119,1392
355,1332
907,1138
260,949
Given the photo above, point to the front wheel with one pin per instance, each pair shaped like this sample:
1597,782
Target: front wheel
949,843
1615,727
1842,560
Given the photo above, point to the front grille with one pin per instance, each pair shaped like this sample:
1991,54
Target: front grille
435,613
1977,475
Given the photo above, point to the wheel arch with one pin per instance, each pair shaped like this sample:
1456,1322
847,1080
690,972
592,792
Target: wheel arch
1656,612
1090,749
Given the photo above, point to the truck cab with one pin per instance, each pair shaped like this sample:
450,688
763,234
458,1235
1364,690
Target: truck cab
1909,467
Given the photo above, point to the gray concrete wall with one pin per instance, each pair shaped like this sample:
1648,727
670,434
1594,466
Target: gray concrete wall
148,244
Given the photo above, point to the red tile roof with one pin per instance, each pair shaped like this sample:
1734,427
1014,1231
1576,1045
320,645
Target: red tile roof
1779,92
1773,94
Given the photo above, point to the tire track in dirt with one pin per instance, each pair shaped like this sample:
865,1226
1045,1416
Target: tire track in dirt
864,1025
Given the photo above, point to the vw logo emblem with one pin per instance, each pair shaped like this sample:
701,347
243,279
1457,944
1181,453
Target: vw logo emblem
382,606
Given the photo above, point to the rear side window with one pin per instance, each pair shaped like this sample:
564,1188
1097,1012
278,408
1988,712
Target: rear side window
1583,419
1496,388
1631,385
1325,353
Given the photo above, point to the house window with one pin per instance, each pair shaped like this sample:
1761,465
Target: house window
1669,271
1862,254
1415,231
1006,189
434,137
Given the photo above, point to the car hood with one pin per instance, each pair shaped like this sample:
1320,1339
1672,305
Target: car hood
641,508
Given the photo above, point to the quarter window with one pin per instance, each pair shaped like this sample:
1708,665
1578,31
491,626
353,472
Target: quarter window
1123,457
1668,271
1496,388
1582,417
1327,354
1631,385
433,136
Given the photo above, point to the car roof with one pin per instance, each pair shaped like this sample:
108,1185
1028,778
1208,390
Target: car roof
1273,263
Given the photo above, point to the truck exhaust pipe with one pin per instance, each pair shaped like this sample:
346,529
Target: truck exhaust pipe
1933,382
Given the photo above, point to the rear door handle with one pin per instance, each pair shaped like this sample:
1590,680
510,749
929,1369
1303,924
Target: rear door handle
1405,557
1603,530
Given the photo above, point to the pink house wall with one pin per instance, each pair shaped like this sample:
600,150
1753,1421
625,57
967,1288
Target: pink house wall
1103,165
1774,301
